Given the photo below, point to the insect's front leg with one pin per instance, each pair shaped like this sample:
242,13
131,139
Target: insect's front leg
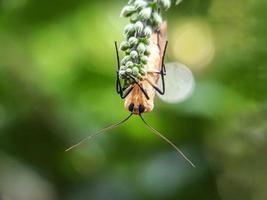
163,68
123,92
126,91
118,82
141,87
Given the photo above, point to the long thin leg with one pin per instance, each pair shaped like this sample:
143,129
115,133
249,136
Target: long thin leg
142,89
118,83
163,71
160,91
123,92
118,86
163,57
162,74
126,92
155,87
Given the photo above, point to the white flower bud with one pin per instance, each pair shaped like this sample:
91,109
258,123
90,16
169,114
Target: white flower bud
135,70
134,18
144,59
129,29
121,73
157,18
123,68
124,46
133,41
166,4
145,40
128,51
129,71
145,13
129,64
140,4
141,48
148,31
139,26
127,11
125,59
134,54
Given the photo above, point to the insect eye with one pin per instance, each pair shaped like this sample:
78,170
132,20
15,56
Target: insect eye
141,108
131,107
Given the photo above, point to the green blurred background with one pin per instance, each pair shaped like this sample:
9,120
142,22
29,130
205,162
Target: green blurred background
57,84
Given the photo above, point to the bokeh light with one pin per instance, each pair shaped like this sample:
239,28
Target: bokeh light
193,43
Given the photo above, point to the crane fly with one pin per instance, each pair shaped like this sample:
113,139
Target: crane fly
140,94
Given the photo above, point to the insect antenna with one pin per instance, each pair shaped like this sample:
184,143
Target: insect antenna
167,140
99,132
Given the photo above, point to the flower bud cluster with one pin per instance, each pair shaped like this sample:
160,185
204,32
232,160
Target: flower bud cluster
145,19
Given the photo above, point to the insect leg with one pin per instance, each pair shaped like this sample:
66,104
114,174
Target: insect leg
118,86
163,68
162,74
160,91
155,87
142,89
118,82
126,91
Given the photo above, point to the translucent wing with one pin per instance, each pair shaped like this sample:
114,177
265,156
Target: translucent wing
179,83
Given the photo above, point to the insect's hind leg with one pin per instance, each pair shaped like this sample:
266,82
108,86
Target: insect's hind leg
160,91
163,70
162,73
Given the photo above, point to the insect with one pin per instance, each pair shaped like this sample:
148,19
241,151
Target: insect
139,94
139,72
